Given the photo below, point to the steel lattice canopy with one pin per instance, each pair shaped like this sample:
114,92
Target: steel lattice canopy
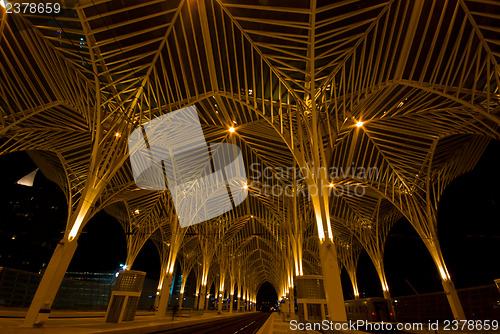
406,88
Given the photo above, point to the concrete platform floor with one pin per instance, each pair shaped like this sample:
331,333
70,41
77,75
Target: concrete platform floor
79,322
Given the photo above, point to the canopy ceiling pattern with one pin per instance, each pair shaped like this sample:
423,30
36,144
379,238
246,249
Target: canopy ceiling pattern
406,89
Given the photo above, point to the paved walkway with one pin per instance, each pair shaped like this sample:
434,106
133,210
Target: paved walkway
276,324
63,322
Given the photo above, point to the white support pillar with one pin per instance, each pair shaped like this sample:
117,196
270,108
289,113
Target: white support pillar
39,310
230,303
434,249
220,300
331,281
453,300
164,295
196,300
238,304
286,306
207,301
202,297
181,298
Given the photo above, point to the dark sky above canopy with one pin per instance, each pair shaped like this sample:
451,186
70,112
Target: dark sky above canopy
33,220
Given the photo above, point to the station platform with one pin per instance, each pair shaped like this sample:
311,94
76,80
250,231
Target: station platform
82,322
277,325
79,322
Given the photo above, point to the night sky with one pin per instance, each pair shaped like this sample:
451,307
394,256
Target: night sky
468,224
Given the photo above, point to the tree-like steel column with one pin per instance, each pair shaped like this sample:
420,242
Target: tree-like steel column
187,261
349,253
432,244
172,249
318,186
238,304
100,171
199,275
39,310
232,273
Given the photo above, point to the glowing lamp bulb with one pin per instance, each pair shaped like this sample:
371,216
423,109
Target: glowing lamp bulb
359,124
245,186
331,185
231,129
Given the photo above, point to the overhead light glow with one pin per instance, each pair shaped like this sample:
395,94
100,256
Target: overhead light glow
331,185
3,4
359,124
136,211
231,129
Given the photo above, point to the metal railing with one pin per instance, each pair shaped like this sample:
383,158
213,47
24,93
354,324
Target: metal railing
82,295
18,287
479,303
